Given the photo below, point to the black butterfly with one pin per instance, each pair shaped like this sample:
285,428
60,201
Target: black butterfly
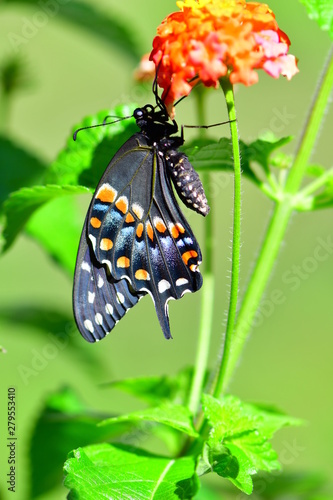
135,239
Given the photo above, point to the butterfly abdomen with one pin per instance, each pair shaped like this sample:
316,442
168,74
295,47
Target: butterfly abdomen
187,182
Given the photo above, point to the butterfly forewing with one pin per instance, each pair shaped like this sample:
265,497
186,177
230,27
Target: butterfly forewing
137,231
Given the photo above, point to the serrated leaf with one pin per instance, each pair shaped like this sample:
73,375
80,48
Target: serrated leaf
19,167
109,28
270,419
244,430
106,471
57,227
84,161
20,206
64,423
218,155
176,416
321,11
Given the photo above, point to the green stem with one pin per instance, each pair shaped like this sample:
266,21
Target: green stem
206,322
311,128
207,297
278,223
236,243
317,184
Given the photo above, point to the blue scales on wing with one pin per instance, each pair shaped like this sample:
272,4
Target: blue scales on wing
140,242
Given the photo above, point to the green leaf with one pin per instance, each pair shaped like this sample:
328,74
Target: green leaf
57,227
176,416
84,161
321,11
243,429
173,388
237,469
18,168
270,419
63,424
110,29
20,206
218,155
106,471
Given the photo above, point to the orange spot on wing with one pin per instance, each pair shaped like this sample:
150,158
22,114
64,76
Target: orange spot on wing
150,231
123,262
96,223
160,226
122,204
141,274
188,255
174,231
106,194
106,244
139,230
180,228
129,218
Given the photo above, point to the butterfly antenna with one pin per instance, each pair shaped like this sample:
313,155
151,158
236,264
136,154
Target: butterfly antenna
100,124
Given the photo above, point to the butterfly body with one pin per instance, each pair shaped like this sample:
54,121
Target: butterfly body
135,239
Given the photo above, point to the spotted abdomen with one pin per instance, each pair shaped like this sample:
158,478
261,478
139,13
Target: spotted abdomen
187,182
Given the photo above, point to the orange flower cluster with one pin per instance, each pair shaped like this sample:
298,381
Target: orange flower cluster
209,39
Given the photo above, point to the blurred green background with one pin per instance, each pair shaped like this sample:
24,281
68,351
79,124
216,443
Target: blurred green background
288,360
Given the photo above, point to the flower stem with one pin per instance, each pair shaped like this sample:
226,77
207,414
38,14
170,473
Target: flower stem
230,329
278,224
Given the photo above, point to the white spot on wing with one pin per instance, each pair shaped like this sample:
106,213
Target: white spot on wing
109,309
108,264
163,285
100,281
85,266
93,241
91,297
99,319
138,210
181,281
120,298
89,326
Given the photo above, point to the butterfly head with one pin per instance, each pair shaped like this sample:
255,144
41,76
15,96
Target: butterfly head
154,122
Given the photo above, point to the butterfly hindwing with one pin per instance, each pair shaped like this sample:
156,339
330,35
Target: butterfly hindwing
137,231
99,301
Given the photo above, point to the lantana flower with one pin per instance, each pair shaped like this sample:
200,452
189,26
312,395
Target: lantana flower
145,72
209,39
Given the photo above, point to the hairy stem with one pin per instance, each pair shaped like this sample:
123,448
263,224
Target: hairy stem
279,221
236,243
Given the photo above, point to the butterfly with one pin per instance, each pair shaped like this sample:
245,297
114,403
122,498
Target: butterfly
135,239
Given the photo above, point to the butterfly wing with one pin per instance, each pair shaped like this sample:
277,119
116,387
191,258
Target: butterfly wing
137,231
98,301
